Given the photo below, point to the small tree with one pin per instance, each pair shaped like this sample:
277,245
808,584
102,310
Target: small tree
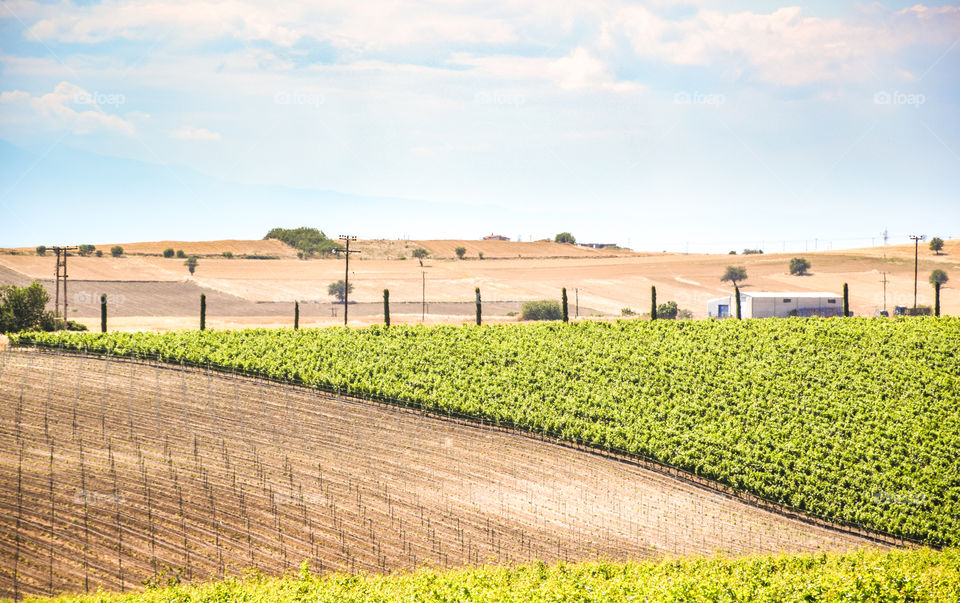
477,293
799,266
460,251
938,276
936,299
103,312
668,310
565,237
936,245
736,293
24,308
116,251
296,315
181,254
563,299
86,249
41,250
386,307
99,253
203,311
734,274
846,300
653,302
420,253
541,310
191,263
168,252
339,290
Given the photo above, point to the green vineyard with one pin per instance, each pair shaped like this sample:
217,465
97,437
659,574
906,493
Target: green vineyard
853,420
920,575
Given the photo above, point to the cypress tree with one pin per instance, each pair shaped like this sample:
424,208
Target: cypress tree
296,315
386,307
936,298
653,302
477,291
203,311
103,312
566,315
736,292
846,300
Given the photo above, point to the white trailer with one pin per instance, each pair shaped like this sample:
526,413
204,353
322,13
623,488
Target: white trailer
768,304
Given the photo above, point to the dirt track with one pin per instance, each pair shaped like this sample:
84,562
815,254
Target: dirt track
125,469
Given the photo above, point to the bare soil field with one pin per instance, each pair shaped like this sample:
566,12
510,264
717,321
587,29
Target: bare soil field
603,284
112,471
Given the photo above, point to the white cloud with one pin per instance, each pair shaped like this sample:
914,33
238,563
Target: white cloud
580,70
68,107
191,133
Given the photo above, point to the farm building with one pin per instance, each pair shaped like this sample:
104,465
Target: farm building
495,237
766,304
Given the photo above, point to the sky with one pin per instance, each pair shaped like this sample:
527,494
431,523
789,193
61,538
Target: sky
685,126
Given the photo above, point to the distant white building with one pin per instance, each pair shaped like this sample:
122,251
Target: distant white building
767,304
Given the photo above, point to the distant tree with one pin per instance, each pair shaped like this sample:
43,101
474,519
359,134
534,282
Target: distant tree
565,237
420,253
191,263
228,255
86,249
41,250
936,245
799,266
116,251
627,311
541,310
938,276
181,254
168,252
99,253
752,251
460,251
732,252
310,241
480,254
734,274
337,290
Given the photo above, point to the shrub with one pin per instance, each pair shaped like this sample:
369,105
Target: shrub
752,252
191,263
41,250
480,255
99,253
460,251
420,253
799,266
228,255
565,237
86,249
168,252
668,310
627,312
544,309
181,254
24,308
116,251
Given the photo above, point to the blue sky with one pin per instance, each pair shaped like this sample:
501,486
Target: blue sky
663,125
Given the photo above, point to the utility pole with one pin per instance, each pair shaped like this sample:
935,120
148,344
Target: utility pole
576,293
885,236
916,252
423,298
346,273
61,274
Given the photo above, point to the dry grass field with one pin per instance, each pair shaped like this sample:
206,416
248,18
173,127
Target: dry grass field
603,281
113,471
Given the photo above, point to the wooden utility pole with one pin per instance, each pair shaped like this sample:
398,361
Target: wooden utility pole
61,276
884,281
346,273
